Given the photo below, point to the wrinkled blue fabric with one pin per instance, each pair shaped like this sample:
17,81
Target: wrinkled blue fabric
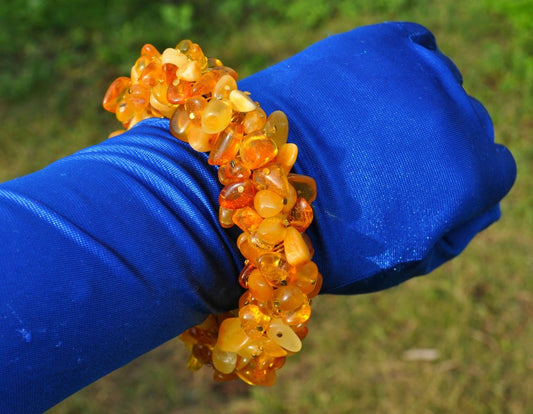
112,251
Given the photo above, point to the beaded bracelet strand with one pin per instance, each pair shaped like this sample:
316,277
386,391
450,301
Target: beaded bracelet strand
271,205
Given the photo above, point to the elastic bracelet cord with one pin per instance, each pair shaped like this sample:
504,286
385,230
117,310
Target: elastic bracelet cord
271,205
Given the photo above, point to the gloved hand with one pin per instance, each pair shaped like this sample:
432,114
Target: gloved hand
112,251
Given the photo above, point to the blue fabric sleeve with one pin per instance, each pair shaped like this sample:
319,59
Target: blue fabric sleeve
112,251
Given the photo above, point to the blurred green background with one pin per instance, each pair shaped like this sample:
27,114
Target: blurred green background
475,313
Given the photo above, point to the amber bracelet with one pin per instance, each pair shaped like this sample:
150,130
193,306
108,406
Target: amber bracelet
271,205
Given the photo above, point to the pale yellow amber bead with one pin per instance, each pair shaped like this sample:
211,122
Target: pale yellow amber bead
241,101
171,55
190,71
296,250
284,336
224,361
216,116
163,108
199,140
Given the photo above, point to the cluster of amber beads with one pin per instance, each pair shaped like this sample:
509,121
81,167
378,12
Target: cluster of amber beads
271,205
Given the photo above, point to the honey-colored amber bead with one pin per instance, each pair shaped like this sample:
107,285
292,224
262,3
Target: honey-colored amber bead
301,215
195,106
268,203
271,230
290,200
226,70
244,275
259,287
179,92
287,155
284,336
202,352
275,268
248,249
124,112
138,68
184,45
296,250
237,195
301,330
273,178
152,74
138,97
226,145
233,171
231,336
162,107
305,186
199,140
247,219
213,62
257,150
291,304
306,277
274,350
253,321
196,54
241,101
224,361
225,217
179,124
225,84
216,116
277,127
263,377
254,120
318,286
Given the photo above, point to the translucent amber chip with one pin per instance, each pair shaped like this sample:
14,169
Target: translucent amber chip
268,203
257,150
226,146
296,249
216,116
237,195
277,127
305,186
115,93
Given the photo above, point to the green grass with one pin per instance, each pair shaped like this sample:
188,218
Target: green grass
475,310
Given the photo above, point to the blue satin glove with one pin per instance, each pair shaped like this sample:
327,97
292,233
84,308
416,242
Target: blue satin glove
110,252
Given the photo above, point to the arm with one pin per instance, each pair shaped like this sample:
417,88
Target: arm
114,250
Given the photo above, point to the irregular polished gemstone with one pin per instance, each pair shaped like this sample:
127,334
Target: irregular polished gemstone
237,195
277,127
275,268
226,145
233,171
115,93
257,150
268,203
296,249
254,120
224,361
287,155
284,336
216,116
305,186
241,101
301,215
224,86
259,286
253,320
247,219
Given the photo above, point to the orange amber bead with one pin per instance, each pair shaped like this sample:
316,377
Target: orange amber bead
199,140
179,92
275,268
233,171
291,304
287,155
247,219
179,124
138,97
149,51
226,146
248,249
259,287
237,195
257,150
301,215
271,230
306,277
206,83
225,217
169,70
268,203
115,93
152,74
